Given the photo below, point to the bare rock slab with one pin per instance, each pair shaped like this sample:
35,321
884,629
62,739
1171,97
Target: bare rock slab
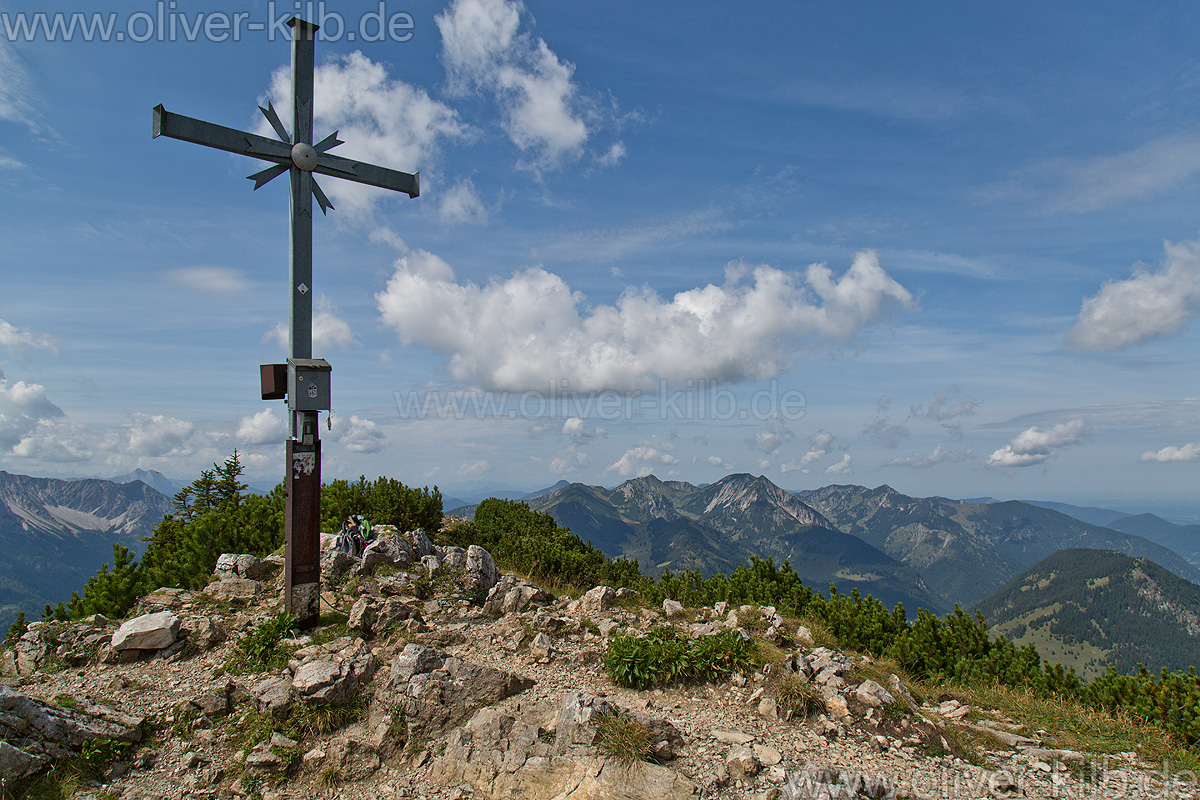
147,632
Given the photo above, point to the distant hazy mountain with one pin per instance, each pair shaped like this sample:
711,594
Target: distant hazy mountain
1092,609
55,534
547,490
965,551
152,478
715,528
1096,516
1183,539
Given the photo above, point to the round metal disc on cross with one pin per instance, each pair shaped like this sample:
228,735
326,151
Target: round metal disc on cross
304,156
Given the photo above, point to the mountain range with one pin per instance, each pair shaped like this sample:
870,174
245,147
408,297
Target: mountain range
1095,609
55,534
714,528
965,551
929,552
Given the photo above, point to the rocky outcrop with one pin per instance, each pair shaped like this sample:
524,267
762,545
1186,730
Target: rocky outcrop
501,756
33,733
240,565
512,595
375,616
331,673
439,691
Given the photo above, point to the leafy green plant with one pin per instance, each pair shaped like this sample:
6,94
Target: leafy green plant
662,656
259,650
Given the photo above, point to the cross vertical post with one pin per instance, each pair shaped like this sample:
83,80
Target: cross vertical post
302,517
307,379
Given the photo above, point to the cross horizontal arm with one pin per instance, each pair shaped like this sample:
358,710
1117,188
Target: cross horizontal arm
177,126
371,175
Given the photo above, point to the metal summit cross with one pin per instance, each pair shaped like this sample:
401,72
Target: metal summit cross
307,379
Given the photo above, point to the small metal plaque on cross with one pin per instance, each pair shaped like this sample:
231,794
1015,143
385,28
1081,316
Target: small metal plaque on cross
296,155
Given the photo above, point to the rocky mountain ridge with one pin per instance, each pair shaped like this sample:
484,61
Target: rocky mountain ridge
965,551
713,529
55,534
437,696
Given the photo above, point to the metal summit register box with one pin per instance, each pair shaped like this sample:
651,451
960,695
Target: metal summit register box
308,384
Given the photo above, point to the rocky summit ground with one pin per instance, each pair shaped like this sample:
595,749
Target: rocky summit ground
434,676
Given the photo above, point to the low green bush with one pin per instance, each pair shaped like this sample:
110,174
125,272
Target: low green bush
662,656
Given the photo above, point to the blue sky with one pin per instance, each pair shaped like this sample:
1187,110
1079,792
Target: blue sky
950,248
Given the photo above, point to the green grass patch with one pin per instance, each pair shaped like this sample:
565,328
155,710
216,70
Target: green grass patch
623,738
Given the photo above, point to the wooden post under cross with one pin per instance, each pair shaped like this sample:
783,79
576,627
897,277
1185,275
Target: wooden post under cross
307,378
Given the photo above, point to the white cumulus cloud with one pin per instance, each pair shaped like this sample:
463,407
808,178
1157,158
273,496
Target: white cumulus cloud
1149,304
772,435
641,460
261,428
946,405
17,340
1189,452
23,406
158,435
578,430
939,455
1035,446
569,461
55,441
818,448
460,203
484,48
329,330
532,329
382,120
358,435
843,467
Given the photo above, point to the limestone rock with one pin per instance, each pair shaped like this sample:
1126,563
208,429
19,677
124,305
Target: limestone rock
373,616
390,550
335,564
672,608
353,757
511,594
330,674
240,565
233,589
741,762
767,756
597,599
898,689
499,756
481,572
541,646
873,695
147,632
33,734
439,691
207,633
